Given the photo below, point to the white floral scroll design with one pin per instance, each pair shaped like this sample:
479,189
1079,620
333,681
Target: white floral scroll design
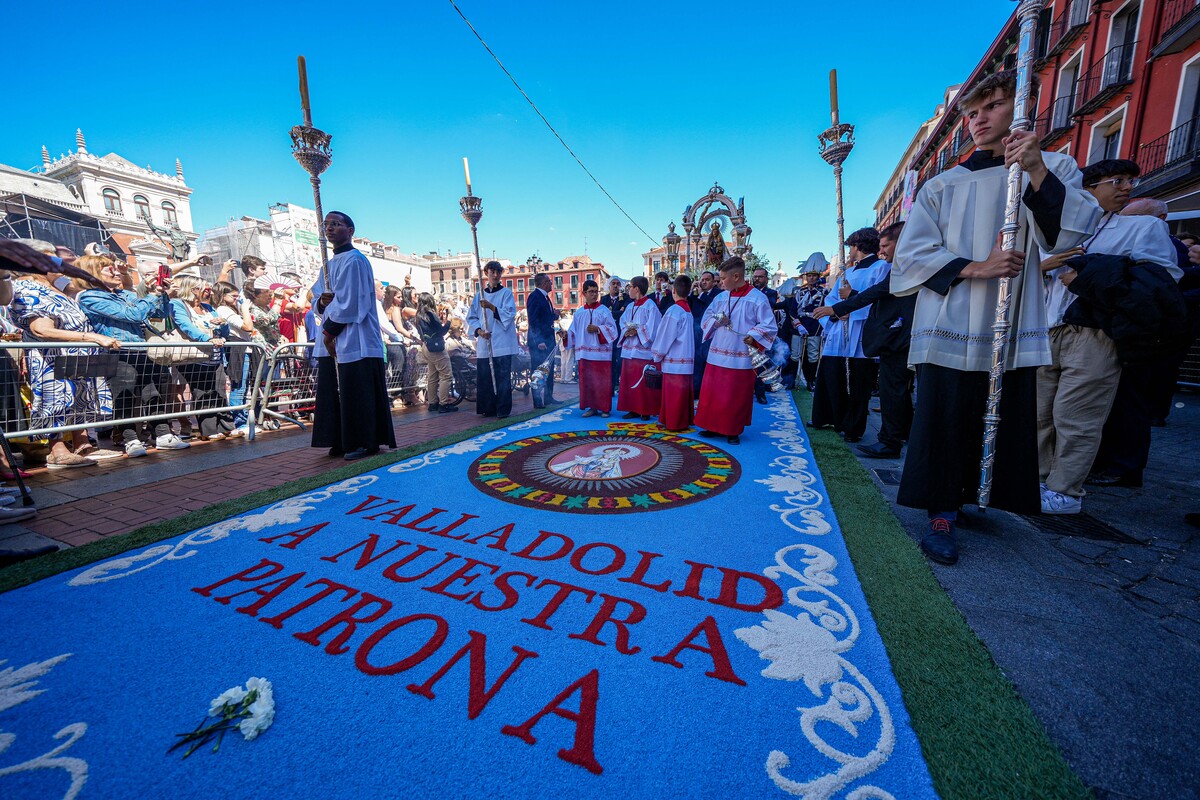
474,444
813,647
17,686
285,512
796,477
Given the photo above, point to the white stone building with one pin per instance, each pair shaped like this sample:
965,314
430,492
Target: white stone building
125,196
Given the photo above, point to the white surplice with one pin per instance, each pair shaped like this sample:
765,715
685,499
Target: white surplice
750,314
955,219
674,343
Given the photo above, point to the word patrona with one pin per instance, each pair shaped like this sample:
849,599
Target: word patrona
386,645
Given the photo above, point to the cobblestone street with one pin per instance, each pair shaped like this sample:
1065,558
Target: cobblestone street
1096,617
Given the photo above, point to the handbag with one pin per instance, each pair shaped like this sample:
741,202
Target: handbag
174,355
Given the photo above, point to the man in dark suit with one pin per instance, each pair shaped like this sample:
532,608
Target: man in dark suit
663,296
542,316
615,301
700,303
886,335
759,281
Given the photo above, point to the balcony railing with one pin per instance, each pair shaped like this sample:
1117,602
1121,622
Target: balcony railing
1180,27
1106,75
1067,26
1056,120
1175,149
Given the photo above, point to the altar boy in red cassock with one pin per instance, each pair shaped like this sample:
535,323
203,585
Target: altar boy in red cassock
739,318
638,324
591,336
673,349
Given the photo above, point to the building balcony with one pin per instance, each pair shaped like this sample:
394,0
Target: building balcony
1170,159
114,213
1068,25
1180,27
1057,119
1107,75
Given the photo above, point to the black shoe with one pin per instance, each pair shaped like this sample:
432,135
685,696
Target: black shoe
362,452
734,439
813,425
503,416
645,417
878,450
553,401
761,399
1112,479
433,407
630,415
938,545
709,434
336,452
1192,519
447,409
539,406
851,439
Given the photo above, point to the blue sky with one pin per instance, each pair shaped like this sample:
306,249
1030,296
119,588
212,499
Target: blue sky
658,105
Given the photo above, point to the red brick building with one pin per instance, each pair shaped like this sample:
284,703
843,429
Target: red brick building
1119,79
567,274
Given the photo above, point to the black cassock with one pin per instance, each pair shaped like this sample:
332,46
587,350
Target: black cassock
352,405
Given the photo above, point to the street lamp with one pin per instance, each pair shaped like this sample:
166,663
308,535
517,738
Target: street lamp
671,243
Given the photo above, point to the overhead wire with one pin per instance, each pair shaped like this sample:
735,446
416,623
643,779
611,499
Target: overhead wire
542,116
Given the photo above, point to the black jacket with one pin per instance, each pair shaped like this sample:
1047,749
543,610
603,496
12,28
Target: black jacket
888,329
1137,303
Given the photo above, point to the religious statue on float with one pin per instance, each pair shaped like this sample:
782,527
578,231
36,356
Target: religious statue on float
714,249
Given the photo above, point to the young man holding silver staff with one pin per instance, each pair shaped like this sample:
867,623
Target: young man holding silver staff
950,255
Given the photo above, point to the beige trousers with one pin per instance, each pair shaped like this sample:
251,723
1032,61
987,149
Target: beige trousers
438,378
1075,394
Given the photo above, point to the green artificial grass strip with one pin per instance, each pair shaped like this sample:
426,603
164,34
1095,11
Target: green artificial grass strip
27,572
979,738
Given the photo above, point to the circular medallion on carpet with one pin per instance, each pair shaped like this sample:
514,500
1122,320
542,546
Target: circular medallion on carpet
616,471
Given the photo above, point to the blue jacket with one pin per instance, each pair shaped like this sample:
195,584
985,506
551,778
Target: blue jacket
121,315
187,326
541,318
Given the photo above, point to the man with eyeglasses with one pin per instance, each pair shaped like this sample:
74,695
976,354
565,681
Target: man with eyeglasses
1077,389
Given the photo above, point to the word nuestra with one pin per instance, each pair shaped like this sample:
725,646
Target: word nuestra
371,624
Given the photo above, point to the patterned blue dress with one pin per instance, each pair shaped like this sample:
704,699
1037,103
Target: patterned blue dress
75,401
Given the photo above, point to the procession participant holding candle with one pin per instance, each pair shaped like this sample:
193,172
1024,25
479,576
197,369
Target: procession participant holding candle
353,415
591,336
492,319
638,324
672,350
739,319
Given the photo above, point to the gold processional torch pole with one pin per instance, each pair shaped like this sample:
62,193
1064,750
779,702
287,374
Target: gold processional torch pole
310,146
1027,14
835,146
471,207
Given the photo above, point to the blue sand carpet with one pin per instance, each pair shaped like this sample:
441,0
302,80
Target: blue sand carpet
566,608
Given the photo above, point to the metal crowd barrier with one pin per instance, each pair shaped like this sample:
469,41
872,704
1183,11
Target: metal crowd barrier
129,374
289,387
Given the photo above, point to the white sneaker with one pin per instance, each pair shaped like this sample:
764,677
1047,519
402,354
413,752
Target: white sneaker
1056,503
8,515
169,441
135,449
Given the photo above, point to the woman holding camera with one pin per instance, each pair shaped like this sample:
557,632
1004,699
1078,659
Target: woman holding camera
241,363
121,314
198,321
